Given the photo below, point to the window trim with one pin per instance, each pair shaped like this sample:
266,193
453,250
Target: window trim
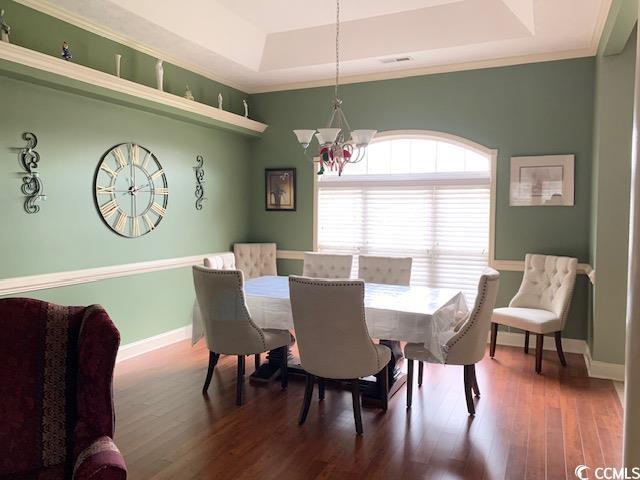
491,153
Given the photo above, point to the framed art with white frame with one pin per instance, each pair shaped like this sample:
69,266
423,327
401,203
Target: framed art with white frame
544,181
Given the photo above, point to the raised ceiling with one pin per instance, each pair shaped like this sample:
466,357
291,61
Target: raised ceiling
262,45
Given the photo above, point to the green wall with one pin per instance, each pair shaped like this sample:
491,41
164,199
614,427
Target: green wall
37,31
535,109
613,121
73,133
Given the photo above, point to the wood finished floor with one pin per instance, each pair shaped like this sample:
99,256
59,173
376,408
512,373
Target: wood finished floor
527,426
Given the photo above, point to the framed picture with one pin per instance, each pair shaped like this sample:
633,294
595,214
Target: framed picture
542,181
280,189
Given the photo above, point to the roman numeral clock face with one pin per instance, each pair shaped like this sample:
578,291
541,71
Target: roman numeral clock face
131,190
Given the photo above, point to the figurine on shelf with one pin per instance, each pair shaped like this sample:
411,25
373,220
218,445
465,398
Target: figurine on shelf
4,28
188,94
220,101
246,108
159,74
118,60
66,53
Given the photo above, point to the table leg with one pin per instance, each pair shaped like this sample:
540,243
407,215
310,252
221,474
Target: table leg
397,377
270,369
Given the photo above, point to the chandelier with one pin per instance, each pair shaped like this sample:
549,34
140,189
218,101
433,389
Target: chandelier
338,144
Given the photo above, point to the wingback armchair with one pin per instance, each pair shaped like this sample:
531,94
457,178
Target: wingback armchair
56,371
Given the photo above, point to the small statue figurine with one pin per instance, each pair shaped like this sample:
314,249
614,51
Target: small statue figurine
66,53
4,28
188,95
246,108
159,74
220,101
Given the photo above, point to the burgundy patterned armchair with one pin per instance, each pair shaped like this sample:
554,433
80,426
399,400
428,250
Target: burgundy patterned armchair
56,402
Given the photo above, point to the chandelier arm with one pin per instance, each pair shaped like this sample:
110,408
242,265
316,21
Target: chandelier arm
337,47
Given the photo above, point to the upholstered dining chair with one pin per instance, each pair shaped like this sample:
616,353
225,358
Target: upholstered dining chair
326,265
468,344
56,415
221,261
256,259
333,340
228,326
385,270
541,304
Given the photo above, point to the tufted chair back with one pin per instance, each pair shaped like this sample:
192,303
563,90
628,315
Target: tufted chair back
228,327
385,270
221,261
325,265
547,284
469,343
328,316
256,259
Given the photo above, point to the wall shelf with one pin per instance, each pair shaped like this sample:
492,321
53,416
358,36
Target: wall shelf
22,63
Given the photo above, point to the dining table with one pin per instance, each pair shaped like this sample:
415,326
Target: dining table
393,314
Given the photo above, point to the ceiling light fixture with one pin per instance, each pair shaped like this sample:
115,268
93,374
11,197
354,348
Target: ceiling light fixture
339,145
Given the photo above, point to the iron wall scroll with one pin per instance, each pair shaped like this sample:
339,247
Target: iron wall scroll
199,182
32,186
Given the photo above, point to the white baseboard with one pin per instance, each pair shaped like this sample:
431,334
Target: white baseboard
598,369
130,350
514,339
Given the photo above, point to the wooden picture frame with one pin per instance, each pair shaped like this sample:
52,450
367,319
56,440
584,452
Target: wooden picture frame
542,181
280,189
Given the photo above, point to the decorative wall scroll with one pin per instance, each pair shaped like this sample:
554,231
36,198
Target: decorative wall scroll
32,186
199,182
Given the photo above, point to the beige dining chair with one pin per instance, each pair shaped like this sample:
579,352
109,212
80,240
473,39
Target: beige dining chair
221,261
385,270
228,326
541,304
333,340
256,259
326,265
468,344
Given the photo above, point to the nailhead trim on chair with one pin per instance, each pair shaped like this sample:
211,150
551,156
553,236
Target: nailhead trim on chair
238,274
351,283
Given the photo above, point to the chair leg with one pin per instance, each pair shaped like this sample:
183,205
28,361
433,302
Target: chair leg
420,372
383,385
257,360
468,381
240,380
563,360
355,395
474,379
320,388
494,339
526,342
284,368
539,346
308,393
213,360
409,382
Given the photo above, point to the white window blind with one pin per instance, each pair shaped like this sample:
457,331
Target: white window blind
439,219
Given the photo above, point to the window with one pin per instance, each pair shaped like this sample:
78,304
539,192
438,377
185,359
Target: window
424,196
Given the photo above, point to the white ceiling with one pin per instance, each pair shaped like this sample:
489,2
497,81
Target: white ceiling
261,45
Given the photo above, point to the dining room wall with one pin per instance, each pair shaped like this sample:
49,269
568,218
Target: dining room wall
533,109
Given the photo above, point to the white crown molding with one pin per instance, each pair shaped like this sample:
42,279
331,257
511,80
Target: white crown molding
15,285
58,72
130,350
437,69
81,22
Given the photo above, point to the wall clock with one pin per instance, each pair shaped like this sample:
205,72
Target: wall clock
131,190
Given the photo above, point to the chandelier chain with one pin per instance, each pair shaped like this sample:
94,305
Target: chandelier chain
337,46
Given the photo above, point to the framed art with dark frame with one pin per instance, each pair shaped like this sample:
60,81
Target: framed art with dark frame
280,189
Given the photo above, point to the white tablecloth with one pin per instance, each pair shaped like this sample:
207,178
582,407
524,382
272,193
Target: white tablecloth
393,312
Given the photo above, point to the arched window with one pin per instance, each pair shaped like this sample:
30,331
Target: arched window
421,194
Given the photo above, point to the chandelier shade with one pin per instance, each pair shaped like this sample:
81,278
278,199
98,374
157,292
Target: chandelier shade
338,144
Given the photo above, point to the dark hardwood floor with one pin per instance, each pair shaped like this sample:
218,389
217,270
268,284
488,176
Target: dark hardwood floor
527,426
